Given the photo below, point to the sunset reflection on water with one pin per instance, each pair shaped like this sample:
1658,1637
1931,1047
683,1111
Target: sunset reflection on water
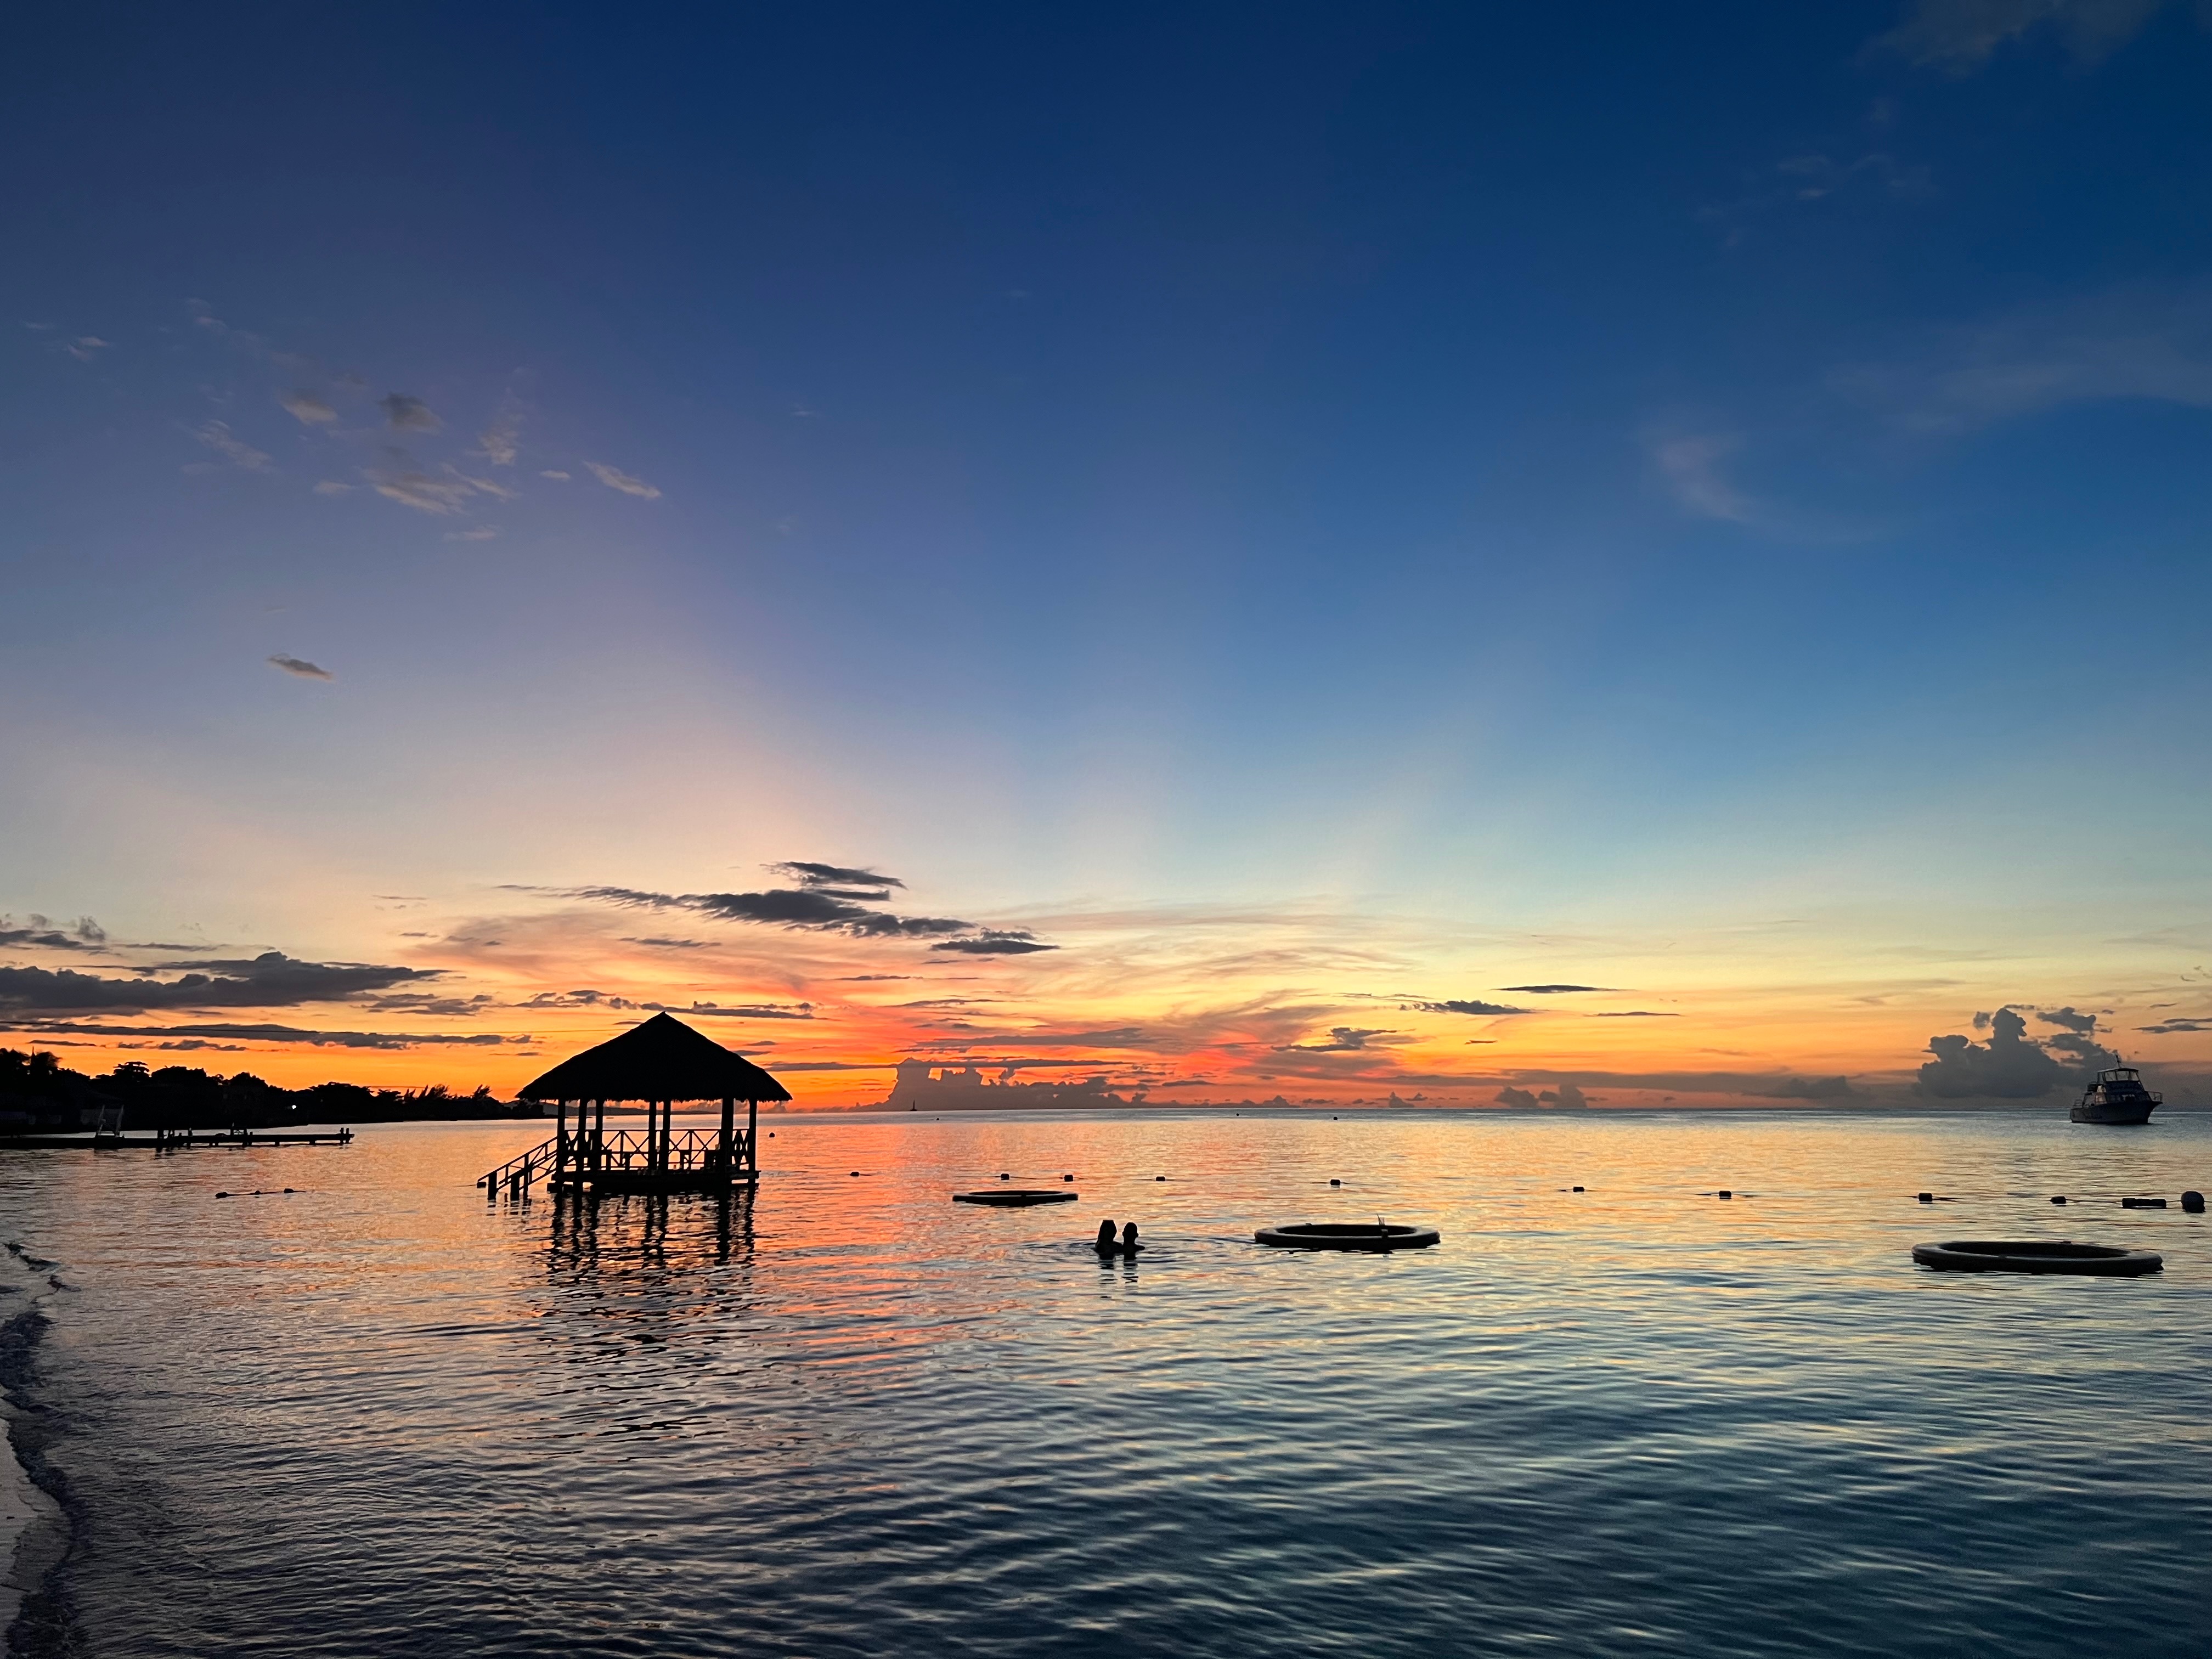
847,1415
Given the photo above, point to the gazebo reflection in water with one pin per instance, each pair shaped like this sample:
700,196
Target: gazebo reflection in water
661,1062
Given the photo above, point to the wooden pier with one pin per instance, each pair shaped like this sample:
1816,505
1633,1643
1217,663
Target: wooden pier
661,1062
178,1140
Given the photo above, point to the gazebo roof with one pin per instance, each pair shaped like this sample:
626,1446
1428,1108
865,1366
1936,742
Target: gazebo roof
663,1058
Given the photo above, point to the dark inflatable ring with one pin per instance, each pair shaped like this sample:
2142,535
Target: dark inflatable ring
2036,1256
1011,1196
1347,1235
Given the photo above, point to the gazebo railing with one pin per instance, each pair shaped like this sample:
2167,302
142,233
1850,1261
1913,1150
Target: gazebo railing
619,1151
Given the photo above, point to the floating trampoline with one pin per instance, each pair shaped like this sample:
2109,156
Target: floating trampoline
1346,1235
2036,1256
1014,1197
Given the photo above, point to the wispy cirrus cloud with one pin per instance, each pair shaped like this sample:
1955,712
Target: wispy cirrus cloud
501,443
829,899
1691,466
405,412
2148,343
615,478
306,408
300,667
218,436
1961,36
996,942
83,934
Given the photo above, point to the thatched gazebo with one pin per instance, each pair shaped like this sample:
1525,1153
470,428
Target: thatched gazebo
660,1062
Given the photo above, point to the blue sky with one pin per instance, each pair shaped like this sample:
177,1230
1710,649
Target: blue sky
1490,486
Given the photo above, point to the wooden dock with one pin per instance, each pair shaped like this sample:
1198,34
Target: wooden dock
178,1140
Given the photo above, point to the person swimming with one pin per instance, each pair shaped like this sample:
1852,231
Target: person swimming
1107,1244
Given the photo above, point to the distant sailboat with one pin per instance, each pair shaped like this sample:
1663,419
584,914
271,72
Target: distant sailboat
2116,1096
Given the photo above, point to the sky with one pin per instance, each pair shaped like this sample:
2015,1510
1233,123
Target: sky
1589,554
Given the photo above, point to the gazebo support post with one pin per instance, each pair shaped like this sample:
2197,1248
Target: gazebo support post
729,1117
560,1140
753,1140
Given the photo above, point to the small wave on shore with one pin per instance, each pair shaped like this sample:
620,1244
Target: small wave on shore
35,1533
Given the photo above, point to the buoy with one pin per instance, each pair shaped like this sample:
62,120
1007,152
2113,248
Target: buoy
1579,1189
1067,1177
2142,1203
287,1189
856,1172
2193,1201
2036,1256
222,1194
1334,1183
1160,1178
2061,1199
1724,1193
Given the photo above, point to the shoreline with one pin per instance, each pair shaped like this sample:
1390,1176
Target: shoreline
34,1527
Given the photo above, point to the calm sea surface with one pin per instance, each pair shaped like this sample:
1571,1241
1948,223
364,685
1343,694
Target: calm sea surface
378,1416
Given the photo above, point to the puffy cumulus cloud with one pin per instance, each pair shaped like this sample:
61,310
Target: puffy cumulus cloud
2010,1066
272,979
1959,36
300,667
1566,1095
405,412
615,478
306,408
1509,1096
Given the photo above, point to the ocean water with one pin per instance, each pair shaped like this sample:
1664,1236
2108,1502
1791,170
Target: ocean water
377,1415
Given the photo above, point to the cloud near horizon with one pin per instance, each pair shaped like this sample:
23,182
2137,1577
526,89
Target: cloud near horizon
272,979
385,1040
2011,1065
